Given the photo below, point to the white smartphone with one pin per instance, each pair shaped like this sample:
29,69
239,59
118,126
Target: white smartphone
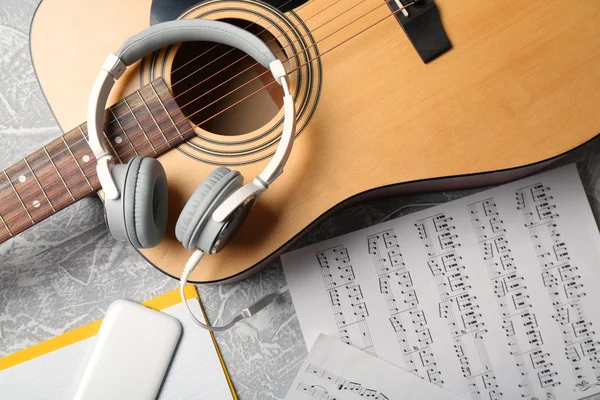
132,354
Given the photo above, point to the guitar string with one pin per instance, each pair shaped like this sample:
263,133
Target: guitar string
218,45
240,59
87,190
255,64
124,128
132,111
245,28
259,33
168,141
231,106
267,71
303,51
274,39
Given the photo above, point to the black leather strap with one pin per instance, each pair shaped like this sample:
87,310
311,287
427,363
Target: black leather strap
424,28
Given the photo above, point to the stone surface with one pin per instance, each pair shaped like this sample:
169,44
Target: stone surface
64,272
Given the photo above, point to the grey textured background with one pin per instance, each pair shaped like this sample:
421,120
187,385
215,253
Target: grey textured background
64,272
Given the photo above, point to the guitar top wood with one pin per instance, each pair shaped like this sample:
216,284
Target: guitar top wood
521,85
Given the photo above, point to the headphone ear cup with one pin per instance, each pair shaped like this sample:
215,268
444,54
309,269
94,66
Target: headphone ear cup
140,213
195,228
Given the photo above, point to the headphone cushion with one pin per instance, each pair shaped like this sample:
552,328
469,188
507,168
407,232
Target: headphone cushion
206,198
145,202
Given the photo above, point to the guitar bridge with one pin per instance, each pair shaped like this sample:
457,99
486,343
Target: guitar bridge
423,26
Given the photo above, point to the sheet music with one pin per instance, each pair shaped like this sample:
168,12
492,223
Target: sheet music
336,371
492,296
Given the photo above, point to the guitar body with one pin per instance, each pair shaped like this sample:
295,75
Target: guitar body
520,86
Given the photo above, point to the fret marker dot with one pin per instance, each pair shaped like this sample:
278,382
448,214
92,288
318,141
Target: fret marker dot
118,139
86,158
36,203
22,178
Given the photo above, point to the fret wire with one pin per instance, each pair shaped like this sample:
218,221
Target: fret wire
86,189
123,130
84,175
39,184
92,176
290,71
111,146
6,226
76,162
60,175
165,108
78,165
140,125
109,143
153,119
58,204
168,142
58,172
18,197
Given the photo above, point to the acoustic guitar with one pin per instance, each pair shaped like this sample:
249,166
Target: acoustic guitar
520,86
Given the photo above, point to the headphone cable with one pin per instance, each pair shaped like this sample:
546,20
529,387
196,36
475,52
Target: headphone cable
190,265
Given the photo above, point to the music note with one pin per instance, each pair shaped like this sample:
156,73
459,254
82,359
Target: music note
520,300
560,251
384,284
346,297
434,267
454,287
508,327
424,336
400,283
509,289
568,273
560,278
341,384
590,347
360,310
354,292
496,266
549,279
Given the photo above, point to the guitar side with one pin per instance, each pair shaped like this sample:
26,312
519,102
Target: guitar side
519,87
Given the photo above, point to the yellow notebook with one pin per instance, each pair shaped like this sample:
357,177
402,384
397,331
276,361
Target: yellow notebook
51,370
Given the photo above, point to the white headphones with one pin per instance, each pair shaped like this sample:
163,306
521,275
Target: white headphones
136,201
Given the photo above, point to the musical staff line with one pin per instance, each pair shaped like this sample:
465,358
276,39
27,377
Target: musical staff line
562,281
494,294
407,319
457,305
316,392
345,298
340,383
503,273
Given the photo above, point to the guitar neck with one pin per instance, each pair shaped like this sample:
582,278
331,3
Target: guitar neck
145,123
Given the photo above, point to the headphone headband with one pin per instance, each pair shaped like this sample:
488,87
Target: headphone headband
168,33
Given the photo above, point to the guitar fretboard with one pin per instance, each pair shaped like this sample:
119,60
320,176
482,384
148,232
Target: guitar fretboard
147,123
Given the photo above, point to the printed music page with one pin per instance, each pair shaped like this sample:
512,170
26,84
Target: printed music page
335,371
492,296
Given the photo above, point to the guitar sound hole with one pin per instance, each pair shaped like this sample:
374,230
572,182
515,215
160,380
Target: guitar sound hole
207,86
